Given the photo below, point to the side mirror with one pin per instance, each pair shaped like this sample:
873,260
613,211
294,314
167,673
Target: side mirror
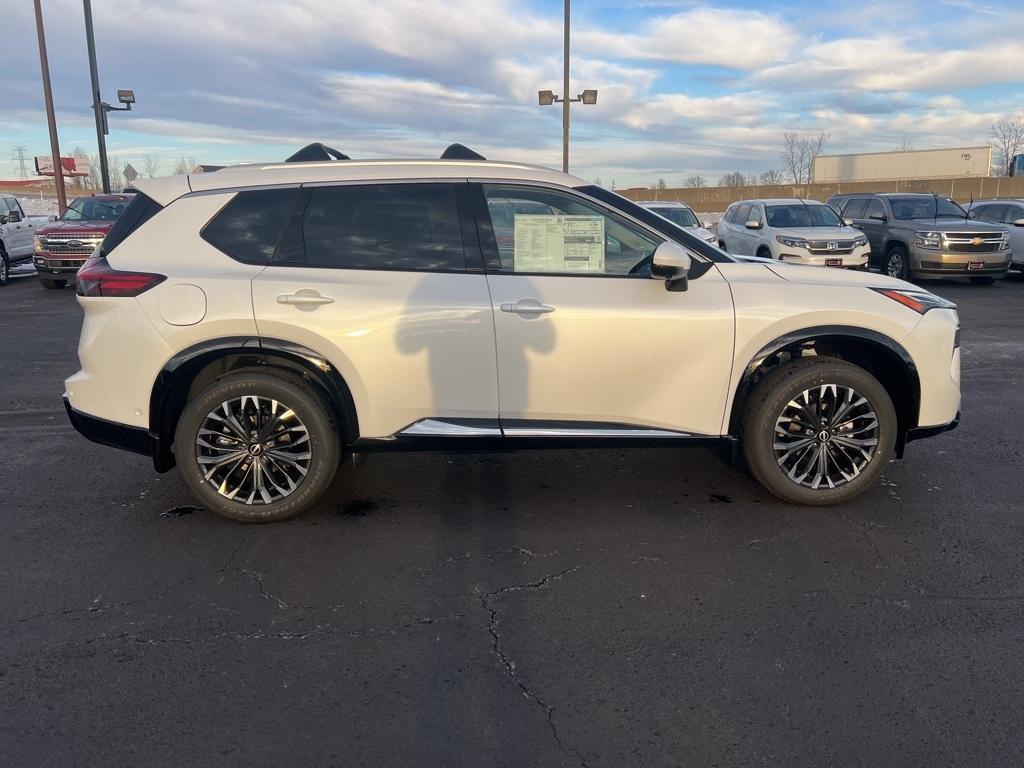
878,216
847,222
753,224
671,263
1019,223
13,217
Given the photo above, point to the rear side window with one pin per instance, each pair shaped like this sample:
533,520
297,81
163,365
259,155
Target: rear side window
384,226
855,208
248,227
140,210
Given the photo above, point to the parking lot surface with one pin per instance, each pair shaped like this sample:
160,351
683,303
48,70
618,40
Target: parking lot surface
606,608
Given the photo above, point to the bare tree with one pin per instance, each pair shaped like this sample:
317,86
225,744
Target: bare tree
695,181
905,145
662,184
94,172
771,177
150,166
1007,138
799,152
613,183
115,170
184,165
733,179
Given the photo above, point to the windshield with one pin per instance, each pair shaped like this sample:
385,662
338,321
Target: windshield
682,216
925,207
799,215
91,209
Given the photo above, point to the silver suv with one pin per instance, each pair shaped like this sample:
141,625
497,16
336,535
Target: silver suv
1008,213
682,215
920,235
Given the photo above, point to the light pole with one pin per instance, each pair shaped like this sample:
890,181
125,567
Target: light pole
101,108
547,98
51,119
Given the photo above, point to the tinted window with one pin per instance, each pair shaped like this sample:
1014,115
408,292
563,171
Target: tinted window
855,208
1014,213
924,207
742,212
384,226
139,210
94,209
682,216
552,232
874,207
14,205
755,213
249,226
993,213
800,215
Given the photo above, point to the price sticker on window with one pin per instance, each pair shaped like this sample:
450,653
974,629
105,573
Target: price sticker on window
566,244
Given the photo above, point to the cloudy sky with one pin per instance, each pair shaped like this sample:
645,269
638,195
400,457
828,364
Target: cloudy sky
685,87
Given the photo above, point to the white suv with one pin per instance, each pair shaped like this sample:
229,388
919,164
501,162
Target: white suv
796,231
255,324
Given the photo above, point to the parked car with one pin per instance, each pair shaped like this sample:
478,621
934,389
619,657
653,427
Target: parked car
795,231
62,246
919,235
255,324
836,202
16,233
1008,213
682,215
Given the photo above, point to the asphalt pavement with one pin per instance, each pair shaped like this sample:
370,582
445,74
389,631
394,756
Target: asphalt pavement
608,608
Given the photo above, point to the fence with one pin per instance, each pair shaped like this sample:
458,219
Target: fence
708,199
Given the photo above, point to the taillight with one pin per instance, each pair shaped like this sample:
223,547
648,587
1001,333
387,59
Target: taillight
98,278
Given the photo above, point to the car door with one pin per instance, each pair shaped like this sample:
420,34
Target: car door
756,237
588,343
740,234
21,231
873,228
380,279
1015,213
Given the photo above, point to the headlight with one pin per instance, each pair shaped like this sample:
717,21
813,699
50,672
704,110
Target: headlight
931,240
1006,241
793,242
917,300
37,243
859,241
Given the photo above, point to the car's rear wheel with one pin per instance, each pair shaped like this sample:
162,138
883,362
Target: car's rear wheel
983,280
896,263
819,431
257,447
51,284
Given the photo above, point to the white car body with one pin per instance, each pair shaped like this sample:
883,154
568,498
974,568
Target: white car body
480,353
820,246
17,231
681,215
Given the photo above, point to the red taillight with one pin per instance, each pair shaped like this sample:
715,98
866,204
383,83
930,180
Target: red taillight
98,278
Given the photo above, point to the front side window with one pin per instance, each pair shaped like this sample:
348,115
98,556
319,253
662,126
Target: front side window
875,208
1014,213
855,208
544,231
992,213
249,227
682,216
384,226
742,213
799,215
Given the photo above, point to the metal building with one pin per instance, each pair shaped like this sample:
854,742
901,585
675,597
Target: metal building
956,162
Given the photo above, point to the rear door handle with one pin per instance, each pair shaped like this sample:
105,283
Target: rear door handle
526,307
305,297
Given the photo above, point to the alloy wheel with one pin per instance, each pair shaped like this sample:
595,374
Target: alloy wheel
825,436
895,264
253,450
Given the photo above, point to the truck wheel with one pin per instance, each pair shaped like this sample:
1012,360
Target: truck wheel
5,268
51,284
257,446
983,280
818,431
896,263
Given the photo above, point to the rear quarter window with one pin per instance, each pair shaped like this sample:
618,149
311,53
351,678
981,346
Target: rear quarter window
140,210
249,226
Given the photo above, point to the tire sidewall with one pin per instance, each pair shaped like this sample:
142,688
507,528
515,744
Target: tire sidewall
310,409
904,269
768,401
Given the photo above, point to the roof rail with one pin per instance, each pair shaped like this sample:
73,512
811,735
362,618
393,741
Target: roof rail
316,151
460,152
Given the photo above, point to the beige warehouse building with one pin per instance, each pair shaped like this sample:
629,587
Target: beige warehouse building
955,162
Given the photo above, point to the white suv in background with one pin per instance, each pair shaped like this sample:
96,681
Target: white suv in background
682,215
795,231
255,324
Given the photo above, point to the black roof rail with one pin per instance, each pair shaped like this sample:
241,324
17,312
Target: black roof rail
460,152
316,151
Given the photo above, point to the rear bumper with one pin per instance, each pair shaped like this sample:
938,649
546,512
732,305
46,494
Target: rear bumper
127,438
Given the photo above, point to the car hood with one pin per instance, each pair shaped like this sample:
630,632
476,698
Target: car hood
54,227
819,233
949,225
809,275
703,234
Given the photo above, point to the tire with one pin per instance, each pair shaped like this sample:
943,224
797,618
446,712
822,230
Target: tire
764,253
5,268
290,483
896,263
983,280
51,284
767,409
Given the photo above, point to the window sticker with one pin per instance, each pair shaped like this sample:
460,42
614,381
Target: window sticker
558,243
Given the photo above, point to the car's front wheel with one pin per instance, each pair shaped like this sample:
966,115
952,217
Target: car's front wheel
897,263
256,446
818,431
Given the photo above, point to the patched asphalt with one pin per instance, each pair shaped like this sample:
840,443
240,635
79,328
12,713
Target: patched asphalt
606,608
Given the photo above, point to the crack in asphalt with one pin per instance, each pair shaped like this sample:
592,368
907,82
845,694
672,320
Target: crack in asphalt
509,664
258,578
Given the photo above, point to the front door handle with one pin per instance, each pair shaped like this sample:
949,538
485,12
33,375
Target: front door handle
526,307
305,297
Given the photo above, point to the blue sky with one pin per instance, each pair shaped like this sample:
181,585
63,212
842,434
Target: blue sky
685,87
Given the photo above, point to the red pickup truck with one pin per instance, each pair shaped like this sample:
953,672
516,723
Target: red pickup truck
62,246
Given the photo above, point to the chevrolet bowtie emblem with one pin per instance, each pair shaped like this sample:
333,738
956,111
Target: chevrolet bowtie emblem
977,241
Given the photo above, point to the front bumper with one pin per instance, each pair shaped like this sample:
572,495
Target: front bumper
857,259
63,267
926,262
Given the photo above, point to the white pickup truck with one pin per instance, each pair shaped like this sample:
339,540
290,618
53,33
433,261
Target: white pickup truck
17,233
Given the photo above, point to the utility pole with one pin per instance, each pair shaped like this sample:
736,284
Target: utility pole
97,108
565,94
51,119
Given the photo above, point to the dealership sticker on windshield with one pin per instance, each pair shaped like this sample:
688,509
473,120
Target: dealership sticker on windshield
976,265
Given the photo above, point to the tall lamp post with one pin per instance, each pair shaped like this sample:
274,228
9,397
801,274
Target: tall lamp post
101,108
547,98
51,119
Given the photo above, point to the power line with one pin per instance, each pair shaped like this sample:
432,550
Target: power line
18,159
